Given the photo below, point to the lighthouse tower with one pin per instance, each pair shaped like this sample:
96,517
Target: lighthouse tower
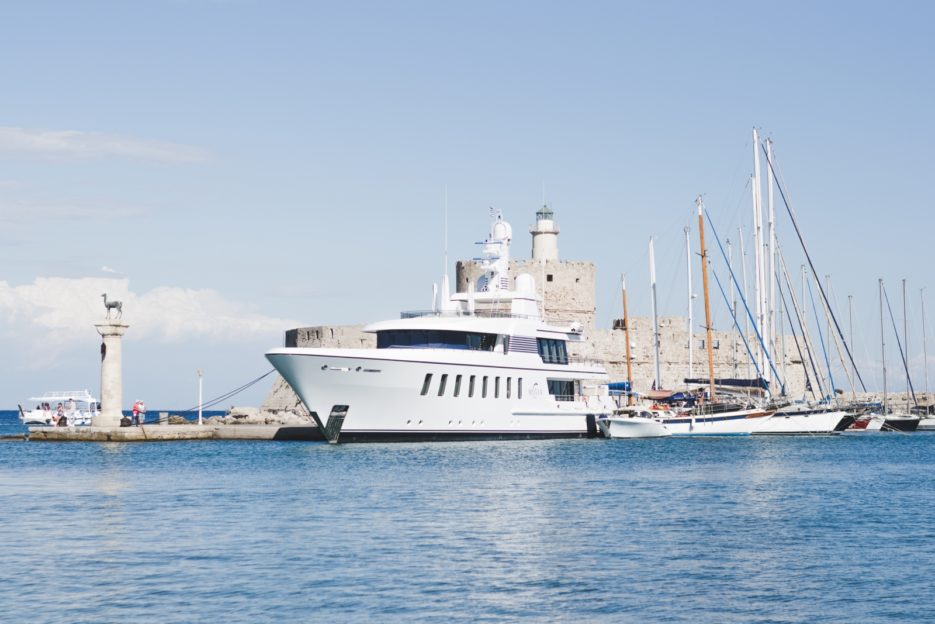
544,235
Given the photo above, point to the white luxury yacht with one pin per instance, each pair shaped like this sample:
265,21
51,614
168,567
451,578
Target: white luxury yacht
482,365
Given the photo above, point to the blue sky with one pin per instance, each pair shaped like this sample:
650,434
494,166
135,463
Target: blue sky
250,166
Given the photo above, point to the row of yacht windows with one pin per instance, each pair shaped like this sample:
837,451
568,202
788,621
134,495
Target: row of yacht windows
473,385
435,339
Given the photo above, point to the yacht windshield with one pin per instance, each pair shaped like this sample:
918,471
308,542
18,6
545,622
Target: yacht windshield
435,339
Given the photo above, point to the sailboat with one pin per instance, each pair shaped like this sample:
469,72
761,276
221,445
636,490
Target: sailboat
927,422
712,417
892,422
631,421
821,417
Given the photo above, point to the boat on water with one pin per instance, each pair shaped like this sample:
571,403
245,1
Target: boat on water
715,419
482,364
926,423
900,422
798,419
633,422
60,408
709,415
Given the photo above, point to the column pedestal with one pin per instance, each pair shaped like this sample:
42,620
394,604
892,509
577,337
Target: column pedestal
112,332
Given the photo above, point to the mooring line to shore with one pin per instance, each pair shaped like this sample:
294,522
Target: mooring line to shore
223,397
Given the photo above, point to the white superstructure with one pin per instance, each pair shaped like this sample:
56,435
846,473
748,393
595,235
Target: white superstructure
481,364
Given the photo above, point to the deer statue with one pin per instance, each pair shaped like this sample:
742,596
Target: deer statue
113,305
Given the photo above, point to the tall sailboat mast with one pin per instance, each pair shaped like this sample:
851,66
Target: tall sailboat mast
882,346
850,323
759,269
771,253
925,357
691,324
906,342
707,305
743,266
652,281
733,302
626,336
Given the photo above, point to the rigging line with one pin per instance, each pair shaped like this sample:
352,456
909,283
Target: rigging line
795,338
837,347
780,184
737,325
900,345
821,340
223,397
231,393
799,318
756,330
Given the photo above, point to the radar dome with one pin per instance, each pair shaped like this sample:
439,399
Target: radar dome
525,283
499,230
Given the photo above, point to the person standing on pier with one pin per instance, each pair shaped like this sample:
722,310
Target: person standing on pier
139,412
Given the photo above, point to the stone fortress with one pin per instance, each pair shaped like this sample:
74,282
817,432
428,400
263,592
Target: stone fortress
567,289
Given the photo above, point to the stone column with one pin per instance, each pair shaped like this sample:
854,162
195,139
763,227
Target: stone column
111,374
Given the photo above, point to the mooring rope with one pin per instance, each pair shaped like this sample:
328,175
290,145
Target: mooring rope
222,397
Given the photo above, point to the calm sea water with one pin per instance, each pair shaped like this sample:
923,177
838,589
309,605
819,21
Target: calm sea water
721,530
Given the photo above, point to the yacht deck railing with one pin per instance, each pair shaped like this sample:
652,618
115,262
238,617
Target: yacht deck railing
408,314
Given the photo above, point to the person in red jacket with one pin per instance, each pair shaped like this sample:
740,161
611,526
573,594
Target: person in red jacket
139,412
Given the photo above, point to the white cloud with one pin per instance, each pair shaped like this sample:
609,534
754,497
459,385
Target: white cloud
58,314
25,211
75,143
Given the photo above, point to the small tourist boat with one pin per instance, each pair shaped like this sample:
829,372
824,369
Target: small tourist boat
78,408
632,422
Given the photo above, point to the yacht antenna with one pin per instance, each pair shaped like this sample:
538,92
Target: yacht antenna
446,230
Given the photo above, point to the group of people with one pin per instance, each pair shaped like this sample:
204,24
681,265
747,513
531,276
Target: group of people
59,417
139,412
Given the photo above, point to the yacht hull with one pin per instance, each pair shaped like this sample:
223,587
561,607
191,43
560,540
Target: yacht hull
803,422
382,398
901,423
745,422
632,427
926,424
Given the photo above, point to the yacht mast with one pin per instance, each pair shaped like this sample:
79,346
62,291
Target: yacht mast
688,261
652,282
758,251
626,336
707,305
733,302
906,342
882,345
850,326
925,357
743,266
771,252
